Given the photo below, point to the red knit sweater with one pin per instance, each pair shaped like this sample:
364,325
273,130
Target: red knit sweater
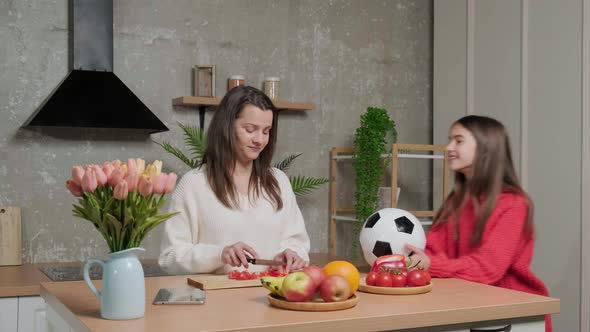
503,256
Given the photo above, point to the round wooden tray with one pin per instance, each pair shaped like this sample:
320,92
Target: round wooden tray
394,290
313,306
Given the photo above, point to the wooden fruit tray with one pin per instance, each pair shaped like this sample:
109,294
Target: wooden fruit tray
363,287
312,306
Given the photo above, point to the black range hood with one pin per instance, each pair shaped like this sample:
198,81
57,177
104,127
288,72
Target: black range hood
91,95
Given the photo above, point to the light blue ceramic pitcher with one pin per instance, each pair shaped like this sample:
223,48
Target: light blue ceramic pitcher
123,285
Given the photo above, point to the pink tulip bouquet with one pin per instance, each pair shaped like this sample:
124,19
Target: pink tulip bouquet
122,200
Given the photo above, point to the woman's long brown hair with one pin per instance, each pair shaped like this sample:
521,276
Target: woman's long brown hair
493,173
219,158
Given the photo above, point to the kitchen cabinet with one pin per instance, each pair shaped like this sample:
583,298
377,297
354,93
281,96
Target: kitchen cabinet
8,314
55,323
31,314
23,314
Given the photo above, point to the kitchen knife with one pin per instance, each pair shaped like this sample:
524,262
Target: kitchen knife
264,262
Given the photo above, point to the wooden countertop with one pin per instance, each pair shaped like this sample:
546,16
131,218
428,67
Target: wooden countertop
21,280
24,280
452,301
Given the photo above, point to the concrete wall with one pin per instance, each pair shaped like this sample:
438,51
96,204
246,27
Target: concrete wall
342,55
521,62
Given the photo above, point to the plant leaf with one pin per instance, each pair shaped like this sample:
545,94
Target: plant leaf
304,185
178,154
286,163
195,139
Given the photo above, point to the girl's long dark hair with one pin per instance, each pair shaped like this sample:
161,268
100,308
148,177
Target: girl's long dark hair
493,173
219,158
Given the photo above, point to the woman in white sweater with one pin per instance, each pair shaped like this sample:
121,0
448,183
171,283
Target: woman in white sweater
235,204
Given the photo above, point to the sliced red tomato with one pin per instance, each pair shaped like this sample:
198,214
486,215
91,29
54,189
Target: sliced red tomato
275,273
233,274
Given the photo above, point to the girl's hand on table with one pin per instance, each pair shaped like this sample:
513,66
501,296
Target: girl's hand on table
419,258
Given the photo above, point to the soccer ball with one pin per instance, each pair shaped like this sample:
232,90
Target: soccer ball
387,231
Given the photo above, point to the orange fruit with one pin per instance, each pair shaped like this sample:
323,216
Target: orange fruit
345,269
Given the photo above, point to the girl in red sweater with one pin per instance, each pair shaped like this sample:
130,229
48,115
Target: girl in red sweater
484,230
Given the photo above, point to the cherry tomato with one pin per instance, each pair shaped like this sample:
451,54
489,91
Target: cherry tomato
418,278
244,275
383,279
371,278
398,280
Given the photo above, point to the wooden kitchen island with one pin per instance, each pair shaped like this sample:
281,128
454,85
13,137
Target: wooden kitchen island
453,305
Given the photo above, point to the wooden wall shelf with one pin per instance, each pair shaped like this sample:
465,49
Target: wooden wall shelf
191,101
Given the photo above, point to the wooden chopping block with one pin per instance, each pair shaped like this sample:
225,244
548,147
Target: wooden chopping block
209,281
10,236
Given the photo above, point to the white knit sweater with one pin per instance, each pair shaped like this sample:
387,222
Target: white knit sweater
194,239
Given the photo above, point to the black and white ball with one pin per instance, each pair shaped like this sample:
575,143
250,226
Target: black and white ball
387,231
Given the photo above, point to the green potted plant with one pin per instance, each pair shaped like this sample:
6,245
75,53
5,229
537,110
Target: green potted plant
196,141
370,141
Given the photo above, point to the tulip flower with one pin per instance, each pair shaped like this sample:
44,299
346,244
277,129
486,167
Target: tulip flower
117,176
132,178
158,165
77,174
145,185
101,178
140,165
107,169
160,183
120,192
131,165
150,171
116,198
74,188
170,182
89,182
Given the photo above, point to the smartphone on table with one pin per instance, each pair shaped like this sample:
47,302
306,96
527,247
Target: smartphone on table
180,296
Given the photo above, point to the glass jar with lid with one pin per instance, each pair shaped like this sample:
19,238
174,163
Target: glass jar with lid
271,87
235,80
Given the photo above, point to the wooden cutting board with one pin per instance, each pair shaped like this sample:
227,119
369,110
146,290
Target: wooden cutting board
10,236
211,281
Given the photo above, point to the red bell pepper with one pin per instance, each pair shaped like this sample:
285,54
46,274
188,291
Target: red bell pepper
389,262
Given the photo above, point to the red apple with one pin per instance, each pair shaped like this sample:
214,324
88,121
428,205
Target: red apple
298,287
316,273
334,288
